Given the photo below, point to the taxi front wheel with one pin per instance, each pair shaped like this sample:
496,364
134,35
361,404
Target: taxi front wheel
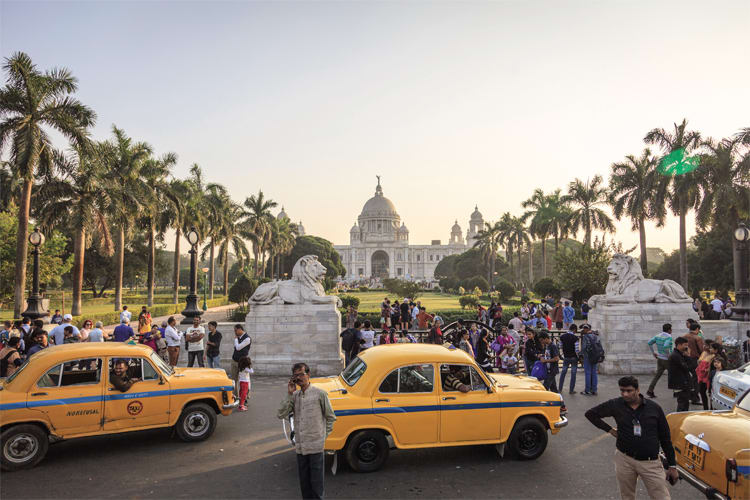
367,451
196,423
23,446
528,439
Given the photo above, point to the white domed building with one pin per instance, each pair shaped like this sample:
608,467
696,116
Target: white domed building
379,244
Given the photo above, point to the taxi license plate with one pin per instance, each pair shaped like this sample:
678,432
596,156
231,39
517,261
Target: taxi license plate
694,455
727,392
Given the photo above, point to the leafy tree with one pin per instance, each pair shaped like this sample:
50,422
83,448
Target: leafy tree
31,103
585,199
476,282
506,288
538,219
547,286
635,192
684,190
257,224
349,300
230,237
584,272
242,289
449,283
488,242
173,214
446,267
403,288
314,245
468,301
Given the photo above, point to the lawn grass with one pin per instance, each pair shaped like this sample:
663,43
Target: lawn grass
370,301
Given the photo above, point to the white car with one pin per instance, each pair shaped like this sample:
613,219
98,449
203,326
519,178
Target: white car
728,385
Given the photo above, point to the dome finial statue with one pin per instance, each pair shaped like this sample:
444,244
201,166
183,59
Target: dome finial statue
378,189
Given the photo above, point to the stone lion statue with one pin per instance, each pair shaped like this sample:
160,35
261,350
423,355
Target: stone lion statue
303,288
627,285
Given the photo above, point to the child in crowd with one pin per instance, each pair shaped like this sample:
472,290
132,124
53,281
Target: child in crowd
509,362
160,343
245,367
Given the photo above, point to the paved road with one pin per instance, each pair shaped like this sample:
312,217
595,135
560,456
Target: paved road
248,457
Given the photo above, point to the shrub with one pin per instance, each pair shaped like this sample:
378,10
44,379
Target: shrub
476,282
461,290
505,287
402,288
364,289
468,301
238,314
242,289
349,300
449,283
547,286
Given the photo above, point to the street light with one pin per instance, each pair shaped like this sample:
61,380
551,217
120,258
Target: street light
741,262
34,308
191,307
205,271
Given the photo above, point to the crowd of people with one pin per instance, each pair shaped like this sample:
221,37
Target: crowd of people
716,308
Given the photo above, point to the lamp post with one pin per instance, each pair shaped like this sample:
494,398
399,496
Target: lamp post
35,309
205,274
741,263
191,307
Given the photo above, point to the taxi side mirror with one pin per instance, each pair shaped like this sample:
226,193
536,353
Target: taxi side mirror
161,380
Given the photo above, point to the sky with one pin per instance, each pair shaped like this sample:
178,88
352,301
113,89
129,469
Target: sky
454,104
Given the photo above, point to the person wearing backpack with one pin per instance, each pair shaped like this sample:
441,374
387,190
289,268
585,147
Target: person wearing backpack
348,337
550,358
593,354
10,358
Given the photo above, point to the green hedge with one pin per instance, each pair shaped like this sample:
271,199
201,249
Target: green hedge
448,315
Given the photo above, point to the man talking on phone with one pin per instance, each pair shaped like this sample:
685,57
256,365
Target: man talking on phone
641,429
313,422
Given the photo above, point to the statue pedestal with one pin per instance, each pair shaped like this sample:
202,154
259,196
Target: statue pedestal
625,329
284,334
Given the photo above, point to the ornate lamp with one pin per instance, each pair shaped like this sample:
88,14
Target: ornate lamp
741,312
191,306
35,309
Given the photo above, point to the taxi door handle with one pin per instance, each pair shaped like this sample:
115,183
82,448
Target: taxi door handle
382,400
39,394
448,397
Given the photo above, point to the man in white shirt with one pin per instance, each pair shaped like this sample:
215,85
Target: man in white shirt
717,304
58,332
368,336
516,323
172,336
194,336
125,314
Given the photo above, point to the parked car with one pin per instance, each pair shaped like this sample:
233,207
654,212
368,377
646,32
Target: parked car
396,396
713,449
64,392
728,385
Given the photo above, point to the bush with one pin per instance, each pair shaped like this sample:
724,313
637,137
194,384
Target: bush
402,288
505,287
242,289
448,315
349,300
364,289
547,286
237,314
468,301
476,282
449,283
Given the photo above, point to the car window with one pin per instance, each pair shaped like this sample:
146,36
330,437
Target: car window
390,383
477,382
416,378
451,376
51,378
354,371
134,366
81,372
165,368
149,372
744,403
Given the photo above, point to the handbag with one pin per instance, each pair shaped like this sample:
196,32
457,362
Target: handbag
539,370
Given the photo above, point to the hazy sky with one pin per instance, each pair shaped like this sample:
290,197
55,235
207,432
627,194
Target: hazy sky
453,103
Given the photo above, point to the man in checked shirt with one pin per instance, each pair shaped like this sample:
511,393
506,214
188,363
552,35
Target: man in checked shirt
641,429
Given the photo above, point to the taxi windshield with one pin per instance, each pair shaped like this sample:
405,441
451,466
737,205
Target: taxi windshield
744,403
15,373
165,368
354,371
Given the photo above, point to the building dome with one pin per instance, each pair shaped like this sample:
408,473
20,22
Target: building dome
300,229
456,228
476,215
379,206
354,229
403,229
282,214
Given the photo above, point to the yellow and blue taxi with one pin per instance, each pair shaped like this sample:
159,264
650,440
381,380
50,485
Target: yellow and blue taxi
66,392
713,449
422,395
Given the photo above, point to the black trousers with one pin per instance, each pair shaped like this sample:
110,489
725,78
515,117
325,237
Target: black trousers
683,400
311,469
193,355
702,387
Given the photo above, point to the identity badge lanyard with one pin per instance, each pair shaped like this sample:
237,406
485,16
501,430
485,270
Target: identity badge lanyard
636,427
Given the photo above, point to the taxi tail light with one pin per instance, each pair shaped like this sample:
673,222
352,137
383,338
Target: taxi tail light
224,397
731,470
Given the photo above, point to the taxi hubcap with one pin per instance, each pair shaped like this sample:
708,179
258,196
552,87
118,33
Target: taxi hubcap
367,450
196,423
528,440
20,448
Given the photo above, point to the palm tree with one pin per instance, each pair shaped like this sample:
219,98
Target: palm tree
256,223
503,238
539,221
635,193
518,236
684,193
230,236
78,199
30,103
124,159
154,184
173,215
558,216
488,241
214,200
585,198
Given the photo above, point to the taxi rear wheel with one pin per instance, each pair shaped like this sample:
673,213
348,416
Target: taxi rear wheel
528,440
367,451
23,446
196,423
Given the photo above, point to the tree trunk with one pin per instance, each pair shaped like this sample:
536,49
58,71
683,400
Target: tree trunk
531,264
119,267
587,240
557,244
256,270
683,252
518,248
22,247
79,245
544,257
642,233
273,265
151,264
176,267
226,270
211,272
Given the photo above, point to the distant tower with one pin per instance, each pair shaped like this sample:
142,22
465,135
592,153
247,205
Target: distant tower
457,237
282,214
476,224
300,229
354,234
403,233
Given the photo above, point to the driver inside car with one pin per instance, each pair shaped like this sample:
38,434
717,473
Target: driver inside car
453,380
119,376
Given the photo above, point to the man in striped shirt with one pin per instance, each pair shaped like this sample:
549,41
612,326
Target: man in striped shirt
663,343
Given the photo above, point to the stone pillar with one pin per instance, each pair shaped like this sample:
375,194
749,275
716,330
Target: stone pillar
625,329
284,334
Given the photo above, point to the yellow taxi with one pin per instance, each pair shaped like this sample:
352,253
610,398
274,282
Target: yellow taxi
422,395
713,449
66,392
